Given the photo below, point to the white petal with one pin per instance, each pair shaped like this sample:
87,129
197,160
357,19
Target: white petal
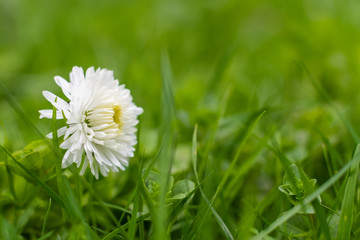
86,163
89,155
77,157
77,75
103,171
71,130
96,168
69,143
57,102
47,113
90,72
64,85
60,132
67,160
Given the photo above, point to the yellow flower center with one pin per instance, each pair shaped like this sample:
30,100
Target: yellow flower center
117,115
105,119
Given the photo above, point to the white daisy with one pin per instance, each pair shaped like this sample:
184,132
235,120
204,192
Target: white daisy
101,119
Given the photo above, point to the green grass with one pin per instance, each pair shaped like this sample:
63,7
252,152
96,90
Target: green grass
241,99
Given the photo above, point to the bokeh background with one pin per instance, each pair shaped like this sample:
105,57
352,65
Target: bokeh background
268,55
253,47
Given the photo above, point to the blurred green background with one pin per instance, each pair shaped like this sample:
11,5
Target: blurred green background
265,54
253,47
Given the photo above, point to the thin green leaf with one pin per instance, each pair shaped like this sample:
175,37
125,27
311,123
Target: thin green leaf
132,222
247,134
320,215
113,206
122,229
74,210
136,206
252,214
237,181
10,178
180,205
346,217
215,126
221,66
59,176
96,196
45,218
47,235
19,110
36,179
223,226
168,131
197,224
330,156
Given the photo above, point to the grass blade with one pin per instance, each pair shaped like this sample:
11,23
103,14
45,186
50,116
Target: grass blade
248,132
168,132
45,219
222,65
320,214
346,217
46,236
50,191
322,92
223,226
96,196
55,147
125,226
307,200
10,178
19,110
137,204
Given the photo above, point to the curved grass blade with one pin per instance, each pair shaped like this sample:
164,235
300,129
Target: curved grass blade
223,226
199,221
45,218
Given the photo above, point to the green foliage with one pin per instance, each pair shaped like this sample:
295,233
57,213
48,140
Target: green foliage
347,207
182,188
36,155
152,183
294,186
241,99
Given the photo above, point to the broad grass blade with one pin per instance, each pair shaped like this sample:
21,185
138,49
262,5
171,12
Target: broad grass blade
346,217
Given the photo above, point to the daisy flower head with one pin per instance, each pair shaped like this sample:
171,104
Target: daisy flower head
101,120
